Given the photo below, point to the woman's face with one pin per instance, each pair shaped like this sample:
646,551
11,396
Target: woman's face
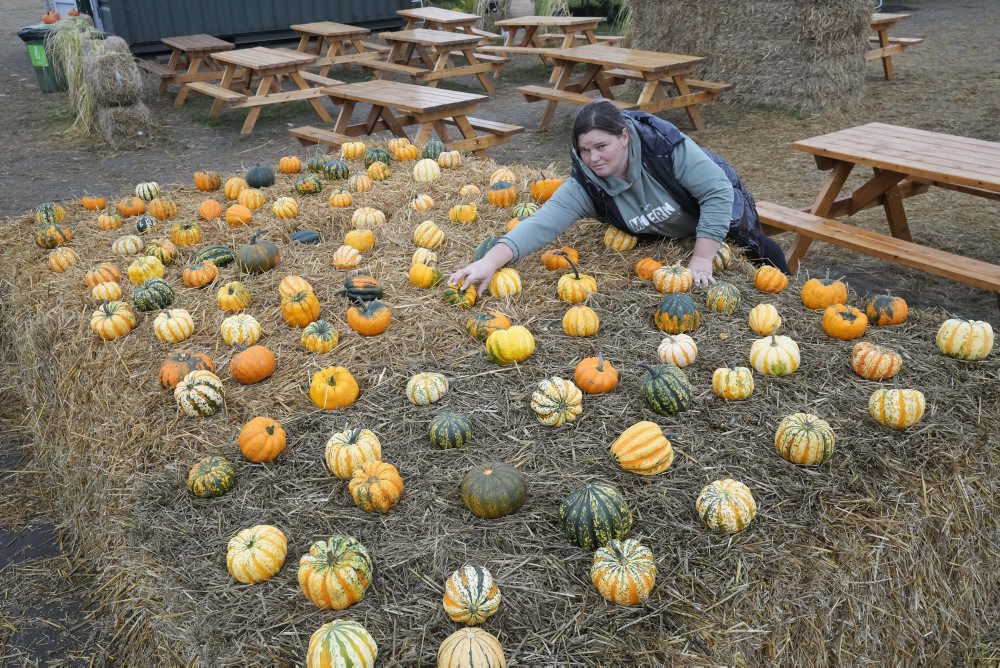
605,153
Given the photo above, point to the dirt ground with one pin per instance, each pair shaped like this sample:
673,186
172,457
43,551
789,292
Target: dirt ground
951,84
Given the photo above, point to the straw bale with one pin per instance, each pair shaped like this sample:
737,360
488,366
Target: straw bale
113,78
126,127
115,44
885,555
804,55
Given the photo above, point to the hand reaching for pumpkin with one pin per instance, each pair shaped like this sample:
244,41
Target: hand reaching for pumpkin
701,260
480,272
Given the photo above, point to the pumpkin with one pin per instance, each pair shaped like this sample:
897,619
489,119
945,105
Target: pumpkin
595,375
844,322
220,255
502,174
665,389
376,487
428,235
199,275
252,365
289,164
258,256
161,208
360,183
463,213
426,388
371,319
423,276
501,194
897,408
493,490
180,363
346,257
173,325
581,320
211,476
471,596
450,430
148,190
374,154
672,279
366,216
775,355
426,171
335,573
677,313
362,288
770,279
511,345
241,329
109,221
153,295
726,505
353,150
332,388
238,214
619,240
145,223
764,319
818,293
421,202
256,554
300,309
576,287
261,439
50,236
340,199
144,268
506,282
470,190
455,296
112,320
129,244
106,292
336,170
234,187
643,449
210,209
723,297
556,401
886,310
677,349
308,185
347,451
49,213
379,171
131,206
207,181
62,259
471,647
320,336
305,236
733,383
543,189
163,250
805,439
594,514
102,273
285,208
342,642
875,362
559,258
524,210
233,296
646,267
624,571
293,284
315,163
449,160
481,325
199,394
93,202
260,175
722,258
433,149
407,152
970,340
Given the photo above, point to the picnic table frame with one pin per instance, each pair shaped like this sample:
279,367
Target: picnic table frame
337,38
447,20
532,43
434,49
196,50
882,46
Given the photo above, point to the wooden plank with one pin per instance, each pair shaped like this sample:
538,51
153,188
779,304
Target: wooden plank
405,96
878,132
309,134
631,59
550,21
493,127
216,91
517,50
460,71
158,69
395,67
712,86
277,98
427,37
317,79
883,52
535,93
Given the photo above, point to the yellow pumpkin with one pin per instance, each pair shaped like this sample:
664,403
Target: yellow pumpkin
507,346
449,159
353,150
362,240
733,383
234,187
421,202
233,296
673,279
300,309
346,257
290,164
764,319
143,269
237,215
251,198
770,279
897,408
581,320
424,276
506,282
285,208
619,240
428,235
463,213
643,449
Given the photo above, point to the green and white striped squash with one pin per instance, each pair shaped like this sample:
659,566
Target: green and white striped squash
665,389
147,191
153,295
624,571
723,297
493,490
677,313
556,401
592,515
49,213
335,573
342,643
145,223
220,255
726,505
450,430
308,184
426,388
433,149
471,596
523,210
336,170
200,394
805,439
211,476
375,154
315,164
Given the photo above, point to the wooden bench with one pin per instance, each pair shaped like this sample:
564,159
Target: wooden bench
493,127
157,69
955,267
409,70
310,134
618,74
216,91
317,79
487,36
377,48
579,37
896,45
517,50
534,93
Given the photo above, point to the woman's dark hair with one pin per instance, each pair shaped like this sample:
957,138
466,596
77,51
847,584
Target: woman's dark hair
598,115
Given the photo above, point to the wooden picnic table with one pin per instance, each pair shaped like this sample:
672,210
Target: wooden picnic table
523,37
905,162
333,41
270,65
448,20
187,56
882,46
608,65
395,105
434,50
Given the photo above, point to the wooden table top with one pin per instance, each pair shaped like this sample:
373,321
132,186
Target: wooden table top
406,97
439,16
616,56
427,37
329,29
881,18
930,155
542,21
200,42
262,58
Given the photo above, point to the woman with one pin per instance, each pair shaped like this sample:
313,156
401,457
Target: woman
642,175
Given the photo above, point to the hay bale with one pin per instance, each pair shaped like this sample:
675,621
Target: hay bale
805,55
126,127
112,78
115,44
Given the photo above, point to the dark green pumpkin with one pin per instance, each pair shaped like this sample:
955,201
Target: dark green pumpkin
376,155
308,185
306,236
145,222
258,256
677,313
336,170
493,490
450,430
316,163
592,515
217,253
665,389
153,295
211,476
260,176
433,149
49,213
362,288
484,248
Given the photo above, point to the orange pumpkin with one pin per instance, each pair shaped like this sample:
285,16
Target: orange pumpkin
109,221
406,152
199,275
262,439
103,273
290,164
252,365
596,375
180,363
207,181
543,189
645,267
300,308
818,293
887,310
93,202
770,279
131,206
369,320
210,210
844,322
237,215
556,258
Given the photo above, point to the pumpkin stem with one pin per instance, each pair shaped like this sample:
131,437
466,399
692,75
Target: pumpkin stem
355,433
650,370
600,362
576,270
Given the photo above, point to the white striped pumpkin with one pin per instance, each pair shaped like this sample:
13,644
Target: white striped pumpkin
732,383
556,401
426,388
897,408
173,325
673,278
775,355
349,450
726,505
619,240
424,256
805,439
965,339
256,554
426,170
346,257
764,319
428,235
506,282
643,449
367,216
471,647
471,596
624,571
677,349
107,291
240,328
62,259
200,393
129,244
341,643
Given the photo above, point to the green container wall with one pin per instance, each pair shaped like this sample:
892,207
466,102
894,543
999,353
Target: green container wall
143,23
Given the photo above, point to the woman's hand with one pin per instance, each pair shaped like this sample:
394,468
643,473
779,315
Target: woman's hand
702,270
481,271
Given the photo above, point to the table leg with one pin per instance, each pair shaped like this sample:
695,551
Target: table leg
442,130
344,119
590,35
693,112
443,60
332,51
820,207
483,79
303,45
561,84
172,64
263,89
313,101
568,41
183,93
463,125
892,203
426,57
883,41
394,125
372,119
227,82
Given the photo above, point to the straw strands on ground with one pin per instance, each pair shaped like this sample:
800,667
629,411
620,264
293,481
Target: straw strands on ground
886,554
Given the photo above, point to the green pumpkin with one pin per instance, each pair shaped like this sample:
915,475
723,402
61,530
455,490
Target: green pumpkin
523,210
362,288
305,236
433,149
308,185
145,223
217,253
153,295
258,256
148,191
450,430
50,236
375,154
484,248
677,313
316,163
493,490
211,476
723,297
336,170
49,213
260,176
666,389
594,514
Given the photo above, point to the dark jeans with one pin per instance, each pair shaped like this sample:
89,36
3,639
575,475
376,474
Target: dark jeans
770,253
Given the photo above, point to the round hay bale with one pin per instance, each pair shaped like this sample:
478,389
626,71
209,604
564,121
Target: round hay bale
112,78
115,44
126,127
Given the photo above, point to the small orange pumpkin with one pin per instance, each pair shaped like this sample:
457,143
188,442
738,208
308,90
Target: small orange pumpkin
237,215
645,268
543,189
887,310
370,319
559,258
290,164
210,210
770,279
262,439
109,221
207,181
131,206
818,293
199,275
844,322
180,363
596,375
93,202
252,365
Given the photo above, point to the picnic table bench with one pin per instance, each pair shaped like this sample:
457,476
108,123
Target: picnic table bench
196,50
523,37
882,46
337,38
906,162
436,18
434,50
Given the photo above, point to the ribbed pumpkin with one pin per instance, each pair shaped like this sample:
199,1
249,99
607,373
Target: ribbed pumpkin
360,183
455,296
493,490
775,355
242,329
624,571
723,257
260,175
262,439
677,349
112,320
646,267
818,293
556,401
407,152
426,171
506,282
340,199
805,439
93,202
199,275
353,150
348,450
507,346
300,309
233,296
897,408
764,319
290,164
162,208
970,340
426,388
619,240
875,362
106,292
449,160
470,190
844,322
143,269
147,190
770,279
450,430
308,185
367,217
379,171
333,388
129,244
285,208
723,297
335,573
471,596
501,194
726,505
362,288
62,259
428,235
595,375
153,295
146,223
211,476
370,319
559,258
543,189
886,310
673,279
643,449
49,213
471,647
320,336
102,273
502,174
421,202
256,554
424,276
234,186
376,487
258,256
131,206
252,365
481,325
665,389
677,313
375,154
576,287
163,250
733,383
238,214
581,320
463,213
594,514
109,221
173,325
342,642
200,394
336,170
